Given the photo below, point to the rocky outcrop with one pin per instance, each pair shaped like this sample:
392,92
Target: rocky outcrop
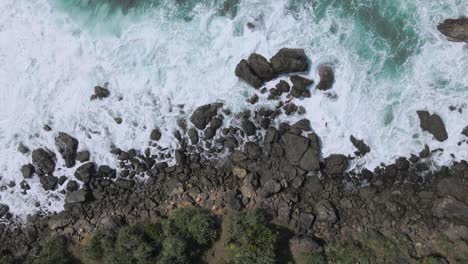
300,85
289,61
362,148
43,161
246,73
433,124
335,164
67,147
203,115
327,77
261,66
301,151
455,29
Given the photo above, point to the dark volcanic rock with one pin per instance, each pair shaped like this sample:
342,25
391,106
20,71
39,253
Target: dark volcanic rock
283,87
79,196
82,156
248,127
155,134
455,29
295,146
193,136
289,60
101,92
27,170
326,212
300,85
85,172
209,133
203,115
246,73
465,131
43,161
433,124
72,186
261,67
335,164
67,147
4,209
450,208
327,77
48,182
362,148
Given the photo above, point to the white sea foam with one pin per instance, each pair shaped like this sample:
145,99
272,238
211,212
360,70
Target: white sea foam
51,61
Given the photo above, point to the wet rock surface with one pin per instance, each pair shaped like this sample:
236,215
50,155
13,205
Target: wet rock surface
433,124
455,29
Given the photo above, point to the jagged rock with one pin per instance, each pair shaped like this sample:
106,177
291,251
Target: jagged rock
426,152
71,186
362,148
455,29
246,73
59,221
24,185
43,161
326,212
451,209
4,209
300,85
101,92
22,148
304,245
85,172
82,156
283,87
336,164
402,164
253,150
193,136
48,182
433,124
203,115
327,77
155,134
125,184
465,131
295,146
261,66
180,157
79,196
248,127
305,222
27,170
303,124
271,187
67,147
289,60
111,222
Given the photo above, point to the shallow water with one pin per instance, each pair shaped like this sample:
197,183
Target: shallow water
161,55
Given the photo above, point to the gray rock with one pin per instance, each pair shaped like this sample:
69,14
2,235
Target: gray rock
295,146
305,222
289,60
327,77
67,147
101,92
71,186
27,170
272,187
193,136
253,150
451,209
326,212
270,135
426,152
82,156
310,161
465,131
23,149
283,87
261,66
59,221
48,182
43,161
362,148
336,164
303,124
304,245
203,115
180,157
248,127
4,209
209,133
125,184
155,134
216,123
246,73
79,196
455,29
85,172
433,124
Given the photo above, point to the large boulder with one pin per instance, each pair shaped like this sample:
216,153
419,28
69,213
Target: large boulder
27,170
451,209
43,161
246,73
327,77
300,85
301,151
67,147
79,196
336,164
433,124
203,115
455,29
85,172
300,245
261,66
326,212
289,60
48,182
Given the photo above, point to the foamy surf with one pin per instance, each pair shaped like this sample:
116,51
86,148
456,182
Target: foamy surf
162,60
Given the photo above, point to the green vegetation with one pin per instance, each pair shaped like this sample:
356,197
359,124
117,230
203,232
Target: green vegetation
252,239
53,250
311,259
7,257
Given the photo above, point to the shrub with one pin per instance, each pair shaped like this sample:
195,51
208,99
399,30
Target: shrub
311,259
175,251
54,250
196,225
349,252
6,257
252,240
99,245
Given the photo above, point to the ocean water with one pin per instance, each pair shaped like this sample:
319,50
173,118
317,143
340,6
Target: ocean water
163,58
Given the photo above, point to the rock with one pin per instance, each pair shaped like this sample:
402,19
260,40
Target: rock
289,60
111,222
261,66
270,135
79,196
47,128
82,156
43,161
180,157
303,124
155,134
451,209
27,170
101,92
193,136
23,149
253,99
272,187
118,120
299,245
326,212
283,87
124,184
426,152
336,164
455,29
248,127
85,172
305,222
433,124
232,201
465,131
48,182
327,77
62,180
24,185
239,172
246,73
59,221
216,123
253,150
362,148
4,209
402,164
67,147
310,161
72,186
203,115
295,146
300,85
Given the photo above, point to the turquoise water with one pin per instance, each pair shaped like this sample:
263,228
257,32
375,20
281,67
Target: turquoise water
163,58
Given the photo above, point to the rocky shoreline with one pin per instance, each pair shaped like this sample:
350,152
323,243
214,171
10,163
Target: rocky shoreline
253,162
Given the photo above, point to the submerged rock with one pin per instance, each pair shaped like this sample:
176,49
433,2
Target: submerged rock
155,134
289,61
203,115
246,73
101,92
67,147
465,131
327,77
455,29
362,148
433,124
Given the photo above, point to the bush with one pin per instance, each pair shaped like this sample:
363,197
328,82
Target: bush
196,225
252,240
349,252
312,259
54,250
175,251
6,257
